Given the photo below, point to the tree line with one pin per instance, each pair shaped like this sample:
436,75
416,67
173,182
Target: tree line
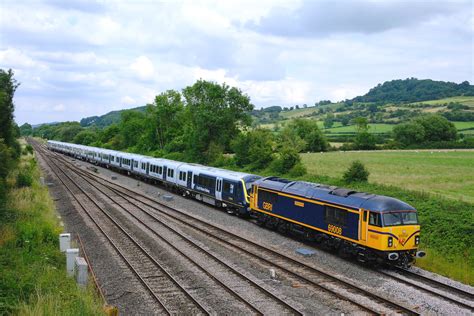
206,123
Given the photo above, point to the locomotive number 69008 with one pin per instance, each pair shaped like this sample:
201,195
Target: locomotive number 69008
335,229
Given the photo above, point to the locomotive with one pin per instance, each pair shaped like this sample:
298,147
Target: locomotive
373,228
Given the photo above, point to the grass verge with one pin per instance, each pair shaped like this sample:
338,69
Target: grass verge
33,274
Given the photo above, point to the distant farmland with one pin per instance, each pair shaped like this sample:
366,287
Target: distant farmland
447,173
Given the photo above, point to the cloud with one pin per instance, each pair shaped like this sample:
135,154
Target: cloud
143,68
59,108
128,100
79,5
94,57
322,18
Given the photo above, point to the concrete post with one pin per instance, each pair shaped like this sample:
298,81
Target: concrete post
64,242
71,255
81,271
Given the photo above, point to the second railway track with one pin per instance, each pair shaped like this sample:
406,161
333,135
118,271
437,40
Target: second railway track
311,276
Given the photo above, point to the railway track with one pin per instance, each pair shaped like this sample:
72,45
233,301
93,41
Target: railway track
434,287
141,263
293,268
247,280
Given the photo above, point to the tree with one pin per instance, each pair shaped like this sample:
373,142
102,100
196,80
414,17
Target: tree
167,115
8,86
86,137
437,128
409,133
26,130
309,131
131,128
345,120
253,149
365,141
329,120
214,114
361,124
67,131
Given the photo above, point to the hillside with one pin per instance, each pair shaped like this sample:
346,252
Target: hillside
415,90
107,119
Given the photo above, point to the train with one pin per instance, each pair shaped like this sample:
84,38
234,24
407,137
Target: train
372,228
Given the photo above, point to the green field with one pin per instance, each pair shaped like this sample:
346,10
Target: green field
374,128
467,100
446,173
463,125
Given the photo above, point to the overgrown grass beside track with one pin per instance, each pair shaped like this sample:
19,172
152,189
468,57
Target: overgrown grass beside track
33,275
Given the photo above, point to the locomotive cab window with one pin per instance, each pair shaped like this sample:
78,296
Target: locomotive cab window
400,218
335,216
374,219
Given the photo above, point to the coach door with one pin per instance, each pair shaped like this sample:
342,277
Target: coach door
164,172
219,189
363,224
190,179
147,168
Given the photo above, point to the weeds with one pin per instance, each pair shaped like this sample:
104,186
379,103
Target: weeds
32,269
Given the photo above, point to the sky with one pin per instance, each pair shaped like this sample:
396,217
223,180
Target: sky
78,58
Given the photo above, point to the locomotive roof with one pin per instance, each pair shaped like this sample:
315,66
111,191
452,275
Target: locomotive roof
336,195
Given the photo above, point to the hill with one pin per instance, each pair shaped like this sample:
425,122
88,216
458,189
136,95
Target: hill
415,90
107,119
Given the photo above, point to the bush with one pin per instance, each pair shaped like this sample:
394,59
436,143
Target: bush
287,159
27,150
356,173
298,170
24,179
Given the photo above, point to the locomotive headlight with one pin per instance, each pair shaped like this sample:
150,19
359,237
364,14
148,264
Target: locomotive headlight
417,240
390,241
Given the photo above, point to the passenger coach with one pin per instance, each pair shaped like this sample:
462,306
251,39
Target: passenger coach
219,187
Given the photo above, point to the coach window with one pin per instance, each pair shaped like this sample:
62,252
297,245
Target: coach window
335,216
374,219
228,187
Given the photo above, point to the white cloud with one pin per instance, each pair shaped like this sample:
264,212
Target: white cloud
127,100
143,68
59,108
95,57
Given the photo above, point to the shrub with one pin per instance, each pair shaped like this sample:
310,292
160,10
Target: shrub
287,159
298,170
356,173
24,179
